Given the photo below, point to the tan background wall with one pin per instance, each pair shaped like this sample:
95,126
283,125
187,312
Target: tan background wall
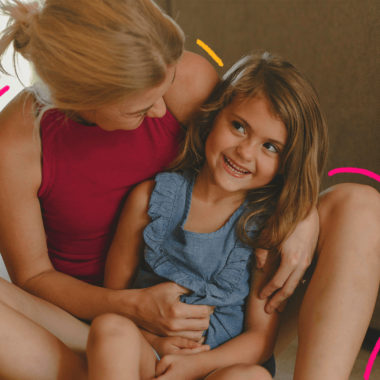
334,42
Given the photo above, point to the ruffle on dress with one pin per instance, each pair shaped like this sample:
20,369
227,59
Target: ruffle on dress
220,288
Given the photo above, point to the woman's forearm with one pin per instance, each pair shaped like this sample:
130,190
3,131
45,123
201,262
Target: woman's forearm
79,298
156,309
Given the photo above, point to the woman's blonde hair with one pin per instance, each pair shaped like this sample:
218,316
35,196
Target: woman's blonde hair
91,53
289,197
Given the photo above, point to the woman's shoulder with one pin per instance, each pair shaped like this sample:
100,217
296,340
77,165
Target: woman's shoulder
20,146
17,118
194,81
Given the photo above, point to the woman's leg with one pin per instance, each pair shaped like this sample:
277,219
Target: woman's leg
340,298
29,352
64,326
117,350
241,372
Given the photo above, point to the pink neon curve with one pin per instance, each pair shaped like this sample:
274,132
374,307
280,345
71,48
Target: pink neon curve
4,90
365,172
371,360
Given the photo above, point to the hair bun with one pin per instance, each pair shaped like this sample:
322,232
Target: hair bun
22,17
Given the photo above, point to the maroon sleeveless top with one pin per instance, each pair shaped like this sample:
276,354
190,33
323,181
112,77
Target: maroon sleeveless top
86,174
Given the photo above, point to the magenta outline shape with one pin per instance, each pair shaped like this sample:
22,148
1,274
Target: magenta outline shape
365,172
371,360
4,90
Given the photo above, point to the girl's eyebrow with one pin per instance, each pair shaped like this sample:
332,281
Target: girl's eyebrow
249,125
148,108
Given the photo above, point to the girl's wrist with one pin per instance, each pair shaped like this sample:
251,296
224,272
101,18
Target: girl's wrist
203,363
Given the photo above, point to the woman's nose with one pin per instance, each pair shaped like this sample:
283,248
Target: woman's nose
158,109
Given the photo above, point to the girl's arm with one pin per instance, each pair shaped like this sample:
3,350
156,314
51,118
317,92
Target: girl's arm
254,346
126,253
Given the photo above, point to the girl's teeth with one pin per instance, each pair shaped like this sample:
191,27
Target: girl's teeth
233,167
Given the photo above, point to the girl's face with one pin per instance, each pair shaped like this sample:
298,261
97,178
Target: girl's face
130,113
244,146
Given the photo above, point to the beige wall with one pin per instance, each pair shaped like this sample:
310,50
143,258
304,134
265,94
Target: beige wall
334,42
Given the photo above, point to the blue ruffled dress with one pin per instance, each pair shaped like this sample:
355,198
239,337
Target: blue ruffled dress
215,266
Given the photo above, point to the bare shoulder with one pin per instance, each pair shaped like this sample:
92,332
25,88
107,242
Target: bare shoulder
195,79
138,200
142,192
17,120
20,146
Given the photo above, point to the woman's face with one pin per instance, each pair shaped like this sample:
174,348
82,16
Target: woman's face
130,113
244,146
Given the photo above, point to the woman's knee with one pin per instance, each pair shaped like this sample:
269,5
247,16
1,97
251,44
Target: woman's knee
352,205
350,197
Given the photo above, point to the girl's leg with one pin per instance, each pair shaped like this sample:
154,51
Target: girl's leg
117,350
29,352
64,326
340,298
240,372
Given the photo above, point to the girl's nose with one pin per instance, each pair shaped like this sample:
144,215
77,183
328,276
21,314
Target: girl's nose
247,150
158,109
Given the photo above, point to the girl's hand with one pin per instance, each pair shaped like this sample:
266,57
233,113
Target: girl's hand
177,345
296,255
160,311
177,367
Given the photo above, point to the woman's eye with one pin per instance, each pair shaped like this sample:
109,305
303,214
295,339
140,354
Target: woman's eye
239,127
271,147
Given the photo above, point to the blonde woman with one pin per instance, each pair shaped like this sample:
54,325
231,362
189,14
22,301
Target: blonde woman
116,87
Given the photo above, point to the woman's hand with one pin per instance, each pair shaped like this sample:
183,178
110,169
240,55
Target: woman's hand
160,311
296,255
177,367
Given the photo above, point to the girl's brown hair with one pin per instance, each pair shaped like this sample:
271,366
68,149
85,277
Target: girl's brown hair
289,197
91,53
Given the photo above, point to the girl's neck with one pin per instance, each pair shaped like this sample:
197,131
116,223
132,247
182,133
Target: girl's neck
207,191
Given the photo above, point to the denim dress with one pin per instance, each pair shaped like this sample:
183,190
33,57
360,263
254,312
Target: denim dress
215,266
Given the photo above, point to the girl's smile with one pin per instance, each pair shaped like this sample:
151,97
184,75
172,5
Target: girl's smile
243,148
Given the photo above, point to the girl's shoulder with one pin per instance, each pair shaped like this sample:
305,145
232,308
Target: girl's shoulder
194,81
169,180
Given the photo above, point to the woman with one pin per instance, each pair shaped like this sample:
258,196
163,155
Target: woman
113,70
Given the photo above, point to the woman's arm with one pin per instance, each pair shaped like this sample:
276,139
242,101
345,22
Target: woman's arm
195,79
297,253
23,243
22,235
254,346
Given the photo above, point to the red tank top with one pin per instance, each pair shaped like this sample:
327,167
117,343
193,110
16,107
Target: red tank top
86,174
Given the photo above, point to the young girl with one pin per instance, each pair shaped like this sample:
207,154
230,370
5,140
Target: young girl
248,172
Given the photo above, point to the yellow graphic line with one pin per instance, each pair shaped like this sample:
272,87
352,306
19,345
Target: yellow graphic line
210,52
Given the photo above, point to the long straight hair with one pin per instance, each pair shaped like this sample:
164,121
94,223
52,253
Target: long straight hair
289,197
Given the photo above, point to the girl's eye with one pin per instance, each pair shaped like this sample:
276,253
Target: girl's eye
239,127
271,147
